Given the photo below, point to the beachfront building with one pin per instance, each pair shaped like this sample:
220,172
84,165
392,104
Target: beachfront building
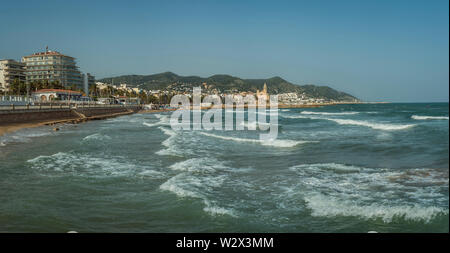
56,95
11,70
53,66
88,81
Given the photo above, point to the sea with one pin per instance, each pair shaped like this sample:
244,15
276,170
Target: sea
343,168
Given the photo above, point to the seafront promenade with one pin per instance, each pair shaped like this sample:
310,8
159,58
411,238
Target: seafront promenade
13,118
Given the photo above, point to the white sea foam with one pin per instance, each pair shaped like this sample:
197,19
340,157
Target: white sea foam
152,174
215,210
96,137
83,165
326,206
256,124
331,189
204,164
298,117
177,185
377,126
418,117
267,113
203,187
168,131
329,113
373,125
24,135
159,116
274,143
163,120
151,124
200,178
172,147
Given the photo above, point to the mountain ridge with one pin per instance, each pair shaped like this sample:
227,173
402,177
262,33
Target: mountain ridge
228,83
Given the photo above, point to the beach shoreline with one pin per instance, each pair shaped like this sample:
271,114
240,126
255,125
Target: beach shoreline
80,118
12,127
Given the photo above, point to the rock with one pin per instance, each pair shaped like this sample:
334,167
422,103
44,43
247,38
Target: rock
56,129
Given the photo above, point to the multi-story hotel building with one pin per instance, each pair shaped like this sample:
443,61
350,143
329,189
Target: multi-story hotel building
53,66
11,70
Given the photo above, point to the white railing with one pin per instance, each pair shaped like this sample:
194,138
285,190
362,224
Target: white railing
15,98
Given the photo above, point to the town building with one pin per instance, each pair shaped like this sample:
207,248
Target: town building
88,81
11,70
52,66
56,95
263,93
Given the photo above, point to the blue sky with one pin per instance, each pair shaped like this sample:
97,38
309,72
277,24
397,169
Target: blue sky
376,50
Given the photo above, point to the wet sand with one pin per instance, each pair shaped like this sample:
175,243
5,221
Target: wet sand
15,127
8,128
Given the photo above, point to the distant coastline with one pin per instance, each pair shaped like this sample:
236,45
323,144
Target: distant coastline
8,127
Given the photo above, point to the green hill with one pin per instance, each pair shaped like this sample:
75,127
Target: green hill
224,83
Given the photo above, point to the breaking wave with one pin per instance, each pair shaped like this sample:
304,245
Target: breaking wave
274,143
377,126
332,189
96,137
329,113
199,181
204,164
169,143
83,165
417,117
326,206
24,135
373,125
163,120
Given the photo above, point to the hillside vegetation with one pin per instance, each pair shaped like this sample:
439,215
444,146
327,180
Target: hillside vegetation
224,83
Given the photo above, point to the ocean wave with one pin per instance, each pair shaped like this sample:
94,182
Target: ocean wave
152,124
152,174
326,206
418,117
298,117
377,126
274,143
168,131
189,185
163,120
83,165
332,189
204,164
97,137
329,113
172,146
215,210
178,185
373,125
25,135
257,125
267,113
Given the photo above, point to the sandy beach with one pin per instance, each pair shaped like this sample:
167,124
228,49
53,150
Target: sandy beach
12,127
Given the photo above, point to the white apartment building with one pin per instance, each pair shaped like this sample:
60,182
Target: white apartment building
52,66
11,70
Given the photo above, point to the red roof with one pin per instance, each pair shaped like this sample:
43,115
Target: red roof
58,90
